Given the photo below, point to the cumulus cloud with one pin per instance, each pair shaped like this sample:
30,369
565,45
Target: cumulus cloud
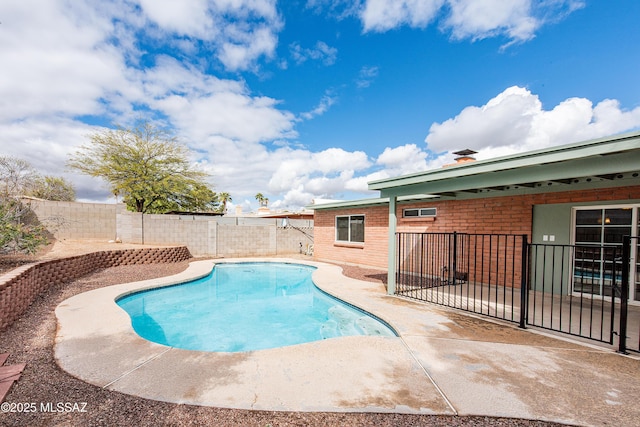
516,20
515,121
402,160
241,31
383,15
480,19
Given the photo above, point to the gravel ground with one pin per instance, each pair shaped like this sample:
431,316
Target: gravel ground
31,339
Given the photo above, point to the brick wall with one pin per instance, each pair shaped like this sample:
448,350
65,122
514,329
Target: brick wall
374,250
20,287
495,215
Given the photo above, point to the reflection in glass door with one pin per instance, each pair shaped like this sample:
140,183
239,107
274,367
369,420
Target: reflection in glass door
598,241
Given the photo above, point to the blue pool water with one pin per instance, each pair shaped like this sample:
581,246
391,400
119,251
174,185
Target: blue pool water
244,307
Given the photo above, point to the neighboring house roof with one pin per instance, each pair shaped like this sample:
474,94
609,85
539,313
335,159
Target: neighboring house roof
599,163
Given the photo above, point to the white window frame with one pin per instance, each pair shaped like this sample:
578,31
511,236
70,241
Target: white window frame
635,231
349,231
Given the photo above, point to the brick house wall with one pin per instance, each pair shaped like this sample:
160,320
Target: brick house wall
493,215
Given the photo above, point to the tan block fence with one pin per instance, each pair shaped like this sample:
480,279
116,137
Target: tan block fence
21,286
204,235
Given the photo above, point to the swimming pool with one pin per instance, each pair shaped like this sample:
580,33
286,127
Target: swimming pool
244,307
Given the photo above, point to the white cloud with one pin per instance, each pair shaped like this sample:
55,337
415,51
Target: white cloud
478,19
516,20
320,52
241,31
384,15
58,70
192,18
323,106
402,160
366,76
515,121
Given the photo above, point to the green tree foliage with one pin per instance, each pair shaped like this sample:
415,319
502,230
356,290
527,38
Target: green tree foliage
224,198
53,188
148,167
263,201
19,229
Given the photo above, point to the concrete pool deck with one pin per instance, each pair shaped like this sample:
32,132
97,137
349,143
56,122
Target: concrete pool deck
444,362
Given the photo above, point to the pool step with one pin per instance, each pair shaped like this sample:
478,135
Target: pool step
371,326
343,322
329,329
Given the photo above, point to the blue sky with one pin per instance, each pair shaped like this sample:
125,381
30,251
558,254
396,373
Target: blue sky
311,99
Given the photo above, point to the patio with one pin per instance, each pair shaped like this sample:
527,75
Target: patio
444,362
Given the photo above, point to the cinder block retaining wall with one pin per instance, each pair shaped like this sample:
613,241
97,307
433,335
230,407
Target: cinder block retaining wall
20,287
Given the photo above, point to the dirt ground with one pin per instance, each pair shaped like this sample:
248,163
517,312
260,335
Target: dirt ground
31,338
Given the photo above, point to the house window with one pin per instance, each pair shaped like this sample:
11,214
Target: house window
598,233
419,213
350,228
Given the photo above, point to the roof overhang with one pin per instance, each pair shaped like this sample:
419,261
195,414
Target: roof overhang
380,201
600,163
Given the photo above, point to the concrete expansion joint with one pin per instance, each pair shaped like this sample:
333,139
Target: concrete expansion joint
136,368
439,390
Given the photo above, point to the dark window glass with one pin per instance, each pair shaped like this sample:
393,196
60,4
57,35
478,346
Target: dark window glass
589,217
588,234
357,228
617,216
342,228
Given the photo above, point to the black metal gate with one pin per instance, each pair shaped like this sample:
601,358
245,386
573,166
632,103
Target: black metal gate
578,290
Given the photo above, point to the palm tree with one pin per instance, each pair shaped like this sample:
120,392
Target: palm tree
224,198
263,201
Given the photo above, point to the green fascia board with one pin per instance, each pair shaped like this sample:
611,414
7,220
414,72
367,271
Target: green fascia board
621,162
538,165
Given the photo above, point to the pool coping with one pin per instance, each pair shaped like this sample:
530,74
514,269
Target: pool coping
443,362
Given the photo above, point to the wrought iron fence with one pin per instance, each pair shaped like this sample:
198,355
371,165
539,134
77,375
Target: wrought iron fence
578,290
480,273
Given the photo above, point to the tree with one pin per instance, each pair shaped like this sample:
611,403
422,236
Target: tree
19,232
263,201
17,177
223,198
19,229
53,188
148,167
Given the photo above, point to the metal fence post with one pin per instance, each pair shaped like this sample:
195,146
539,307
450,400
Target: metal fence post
524,288
454,261
624,294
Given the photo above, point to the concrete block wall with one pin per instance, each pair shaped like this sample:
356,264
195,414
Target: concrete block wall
21,286
295,238
246,240
74,220
189,230
203,235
